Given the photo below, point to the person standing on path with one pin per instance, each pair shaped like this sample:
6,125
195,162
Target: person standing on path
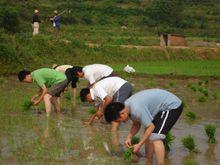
36,22
56,19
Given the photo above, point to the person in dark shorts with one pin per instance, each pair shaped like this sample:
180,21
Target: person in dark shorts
51,82
111,89
67,70
157,110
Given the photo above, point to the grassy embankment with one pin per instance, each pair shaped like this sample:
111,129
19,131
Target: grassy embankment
100,23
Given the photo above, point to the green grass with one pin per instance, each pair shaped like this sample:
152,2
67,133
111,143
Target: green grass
186,68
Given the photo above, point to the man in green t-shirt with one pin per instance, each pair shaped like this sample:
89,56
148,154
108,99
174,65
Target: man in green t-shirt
51,82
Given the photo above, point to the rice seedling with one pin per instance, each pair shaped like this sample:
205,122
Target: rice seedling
192,87
128,152
215,96
168,141
189,143
203,90
27,105
171,84
127,155
191,115
92,110
68,95
202,99
210,130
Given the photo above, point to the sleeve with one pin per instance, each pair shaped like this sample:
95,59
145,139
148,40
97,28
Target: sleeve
40,82
100,92
74,81
145,117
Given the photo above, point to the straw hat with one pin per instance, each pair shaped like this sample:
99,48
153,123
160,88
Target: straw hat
36,11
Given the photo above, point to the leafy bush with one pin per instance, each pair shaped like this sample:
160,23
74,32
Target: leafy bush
9,19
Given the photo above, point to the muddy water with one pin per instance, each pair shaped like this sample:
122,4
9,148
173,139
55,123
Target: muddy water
32,138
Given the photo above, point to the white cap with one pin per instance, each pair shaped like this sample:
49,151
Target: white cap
36,11
55,12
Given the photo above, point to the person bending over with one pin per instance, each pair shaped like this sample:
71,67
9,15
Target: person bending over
51,82
111,89
157,110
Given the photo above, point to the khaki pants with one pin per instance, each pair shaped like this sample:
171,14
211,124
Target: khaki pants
35,28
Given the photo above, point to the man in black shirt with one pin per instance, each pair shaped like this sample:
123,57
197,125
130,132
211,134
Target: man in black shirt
36,22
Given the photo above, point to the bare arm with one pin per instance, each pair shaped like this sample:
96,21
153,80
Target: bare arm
43,92
146,135
74,96
94,116
134,129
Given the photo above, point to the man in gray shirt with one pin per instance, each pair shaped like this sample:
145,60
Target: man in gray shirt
157,110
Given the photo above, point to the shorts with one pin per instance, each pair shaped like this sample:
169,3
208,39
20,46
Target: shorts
123,93
56,89
164,121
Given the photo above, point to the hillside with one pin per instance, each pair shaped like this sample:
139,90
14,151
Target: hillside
106,25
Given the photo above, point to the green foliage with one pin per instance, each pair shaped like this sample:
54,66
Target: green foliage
189,143
168,141
202,99
92,110
166,12
128,152
210,130
135,140
191,115
192,87
171,84
127,155
27,105
68,96
9,18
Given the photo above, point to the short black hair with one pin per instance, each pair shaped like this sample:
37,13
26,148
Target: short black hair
112,111
83,93
22,74
76,69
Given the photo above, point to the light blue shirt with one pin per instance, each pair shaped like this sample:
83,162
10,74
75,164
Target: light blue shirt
145,105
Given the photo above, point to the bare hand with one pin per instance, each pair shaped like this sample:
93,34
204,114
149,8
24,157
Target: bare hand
136,148
128,142
36,102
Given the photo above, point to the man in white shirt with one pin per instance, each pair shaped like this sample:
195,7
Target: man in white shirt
66,69
94,72
111,89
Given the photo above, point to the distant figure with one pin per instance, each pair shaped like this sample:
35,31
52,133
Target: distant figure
55,19
36,22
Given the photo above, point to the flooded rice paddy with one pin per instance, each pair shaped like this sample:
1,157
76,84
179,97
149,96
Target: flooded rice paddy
32,138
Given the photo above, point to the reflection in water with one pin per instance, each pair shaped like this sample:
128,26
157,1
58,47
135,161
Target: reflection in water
191,158
210,153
